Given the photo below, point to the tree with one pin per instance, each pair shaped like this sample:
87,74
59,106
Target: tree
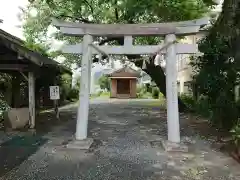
113,11
104,82
218,70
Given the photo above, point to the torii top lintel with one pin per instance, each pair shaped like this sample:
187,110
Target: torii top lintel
157,29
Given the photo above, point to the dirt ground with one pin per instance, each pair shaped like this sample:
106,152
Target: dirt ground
127,136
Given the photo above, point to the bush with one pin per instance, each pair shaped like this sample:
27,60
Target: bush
155,93
141,90
238,107
73,94
235,131
203,107
3,107
188,101
224,112
102,94
104,82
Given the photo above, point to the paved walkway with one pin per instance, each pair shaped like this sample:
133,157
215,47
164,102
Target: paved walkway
125,147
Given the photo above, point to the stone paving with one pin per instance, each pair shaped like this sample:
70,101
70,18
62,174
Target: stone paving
126,146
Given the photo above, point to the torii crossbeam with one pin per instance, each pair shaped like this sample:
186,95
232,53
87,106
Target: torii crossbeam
169,30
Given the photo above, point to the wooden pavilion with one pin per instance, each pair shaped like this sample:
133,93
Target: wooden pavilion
21,62
123,83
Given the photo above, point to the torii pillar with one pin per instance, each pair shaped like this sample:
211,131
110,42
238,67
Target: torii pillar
172,92
83,109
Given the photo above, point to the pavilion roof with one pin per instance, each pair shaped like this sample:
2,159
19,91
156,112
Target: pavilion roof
17,45
125,69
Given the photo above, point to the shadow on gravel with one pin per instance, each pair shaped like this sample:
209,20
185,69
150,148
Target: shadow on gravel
16,150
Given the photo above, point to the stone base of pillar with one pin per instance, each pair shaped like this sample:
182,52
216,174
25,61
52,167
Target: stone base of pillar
174,147
32,131
80,144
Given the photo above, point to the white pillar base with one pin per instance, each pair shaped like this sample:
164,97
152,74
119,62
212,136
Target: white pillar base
174,147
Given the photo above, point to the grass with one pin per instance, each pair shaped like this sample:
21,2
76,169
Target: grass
104,95
155,103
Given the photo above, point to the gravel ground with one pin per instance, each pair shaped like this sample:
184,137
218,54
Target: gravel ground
126,146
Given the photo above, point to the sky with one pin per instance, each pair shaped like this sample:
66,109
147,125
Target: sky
9,11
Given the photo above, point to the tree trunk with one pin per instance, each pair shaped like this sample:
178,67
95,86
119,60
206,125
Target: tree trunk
158,76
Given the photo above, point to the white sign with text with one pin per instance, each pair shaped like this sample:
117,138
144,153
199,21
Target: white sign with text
54,92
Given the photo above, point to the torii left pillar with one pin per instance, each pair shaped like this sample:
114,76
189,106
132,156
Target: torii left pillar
83,109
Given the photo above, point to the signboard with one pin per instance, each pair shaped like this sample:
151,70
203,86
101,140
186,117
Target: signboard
54,92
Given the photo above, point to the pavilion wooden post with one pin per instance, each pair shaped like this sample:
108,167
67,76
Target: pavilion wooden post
31,94
55,104
171,88
83,109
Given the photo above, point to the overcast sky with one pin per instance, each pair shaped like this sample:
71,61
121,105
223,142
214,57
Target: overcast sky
9,11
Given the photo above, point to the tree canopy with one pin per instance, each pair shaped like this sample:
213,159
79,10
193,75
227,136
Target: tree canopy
218,69
39,13
104,82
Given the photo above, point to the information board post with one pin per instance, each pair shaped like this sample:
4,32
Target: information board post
55,96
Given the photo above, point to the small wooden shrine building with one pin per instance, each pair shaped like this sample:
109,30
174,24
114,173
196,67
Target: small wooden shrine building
123,83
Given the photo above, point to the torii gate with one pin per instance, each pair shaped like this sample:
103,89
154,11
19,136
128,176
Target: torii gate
170,48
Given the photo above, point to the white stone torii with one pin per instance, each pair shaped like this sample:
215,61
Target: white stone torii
170,48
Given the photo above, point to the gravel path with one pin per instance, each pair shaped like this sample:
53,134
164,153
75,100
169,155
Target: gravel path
126,146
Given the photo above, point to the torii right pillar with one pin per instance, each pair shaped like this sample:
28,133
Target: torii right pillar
171,88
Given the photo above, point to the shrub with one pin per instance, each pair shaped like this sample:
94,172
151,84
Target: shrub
188,101
141,90
238,107
73,94
224,112
202,106
155,93
235,131
3,107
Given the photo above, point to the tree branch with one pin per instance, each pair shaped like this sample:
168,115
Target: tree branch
75,18
91,8
116,11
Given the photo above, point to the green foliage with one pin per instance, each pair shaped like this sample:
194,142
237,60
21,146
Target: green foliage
141,90
102,94
66,90
202,107
105,94
218,69
36,25
104,82
188,101
224,113
143,93
235,131
37,47
73,94
3,107
238,107
155,92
